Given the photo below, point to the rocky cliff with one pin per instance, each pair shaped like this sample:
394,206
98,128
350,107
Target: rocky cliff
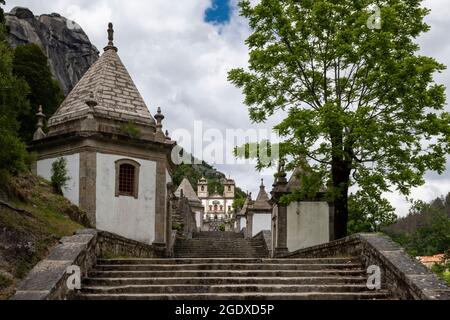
68,48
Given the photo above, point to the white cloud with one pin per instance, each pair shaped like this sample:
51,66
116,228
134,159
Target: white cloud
180,63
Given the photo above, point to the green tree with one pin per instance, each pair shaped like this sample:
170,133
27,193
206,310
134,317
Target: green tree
361,103
239,200
59,176
434,238
369,214
12,102
2,16
31,64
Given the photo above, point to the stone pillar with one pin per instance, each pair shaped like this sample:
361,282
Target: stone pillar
169,197
281,232
280,189
160,206
88,184
249,228
331,220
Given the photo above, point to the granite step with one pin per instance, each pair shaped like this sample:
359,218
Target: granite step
229,288
342,278
226,273
184,261
114,282
241,296
226,266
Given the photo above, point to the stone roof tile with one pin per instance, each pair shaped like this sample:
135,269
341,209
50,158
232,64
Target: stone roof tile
107,80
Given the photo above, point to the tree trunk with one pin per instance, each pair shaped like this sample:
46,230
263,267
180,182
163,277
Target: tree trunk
341,179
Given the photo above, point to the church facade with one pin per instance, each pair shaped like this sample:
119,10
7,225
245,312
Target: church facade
118,157
218,208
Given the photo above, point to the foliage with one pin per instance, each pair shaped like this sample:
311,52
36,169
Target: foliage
31,64
131,130
59,177
4,282
431,236
368,213
186,171
222,228
419,216
12,103
443,270
2,16
42,218
239,200
361,104
214,185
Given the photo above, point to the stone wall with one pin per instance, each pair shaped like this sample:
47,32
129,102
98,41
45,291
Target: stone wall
109,244
183,217
402,275
267,237
48,279
307,224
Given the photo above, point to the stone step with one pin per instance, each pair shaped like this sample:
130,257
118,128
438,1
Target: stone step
190,254
235,288
226,273
246,296
224,260
226,266
217,235
114,282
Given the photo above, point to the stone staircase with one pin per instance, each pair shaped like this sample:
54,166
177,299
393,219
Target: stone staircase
227,278
220,245
225,266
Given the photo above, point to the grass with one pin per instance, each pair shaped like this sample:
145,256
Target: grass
30,232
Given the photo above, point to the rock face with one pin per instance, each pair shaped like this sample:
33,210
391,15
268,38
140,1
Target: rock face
66,45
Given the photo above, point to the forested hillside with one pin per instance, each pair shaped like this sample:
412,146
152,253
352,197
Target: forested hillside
426,229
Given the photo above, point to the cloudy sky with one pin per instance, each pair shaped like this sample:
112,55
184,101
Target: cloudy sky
179,53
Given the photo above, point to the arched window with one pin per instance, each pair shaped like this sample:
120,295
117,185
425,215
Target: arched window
221,208
203,188
215,207
127,178
210,208
229,188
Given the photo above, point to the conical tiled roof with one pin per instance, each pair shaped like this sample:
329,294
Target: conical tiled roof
188,191
262,200
114,93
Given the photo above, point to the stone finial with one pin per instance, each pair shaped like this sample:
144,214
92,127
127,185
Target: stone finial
167,135
281,174
110,45
159,117
262,184
110,34
39,134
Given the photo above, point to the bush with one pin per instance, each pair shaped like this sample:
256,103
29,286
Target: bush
222,228
59,175
130,130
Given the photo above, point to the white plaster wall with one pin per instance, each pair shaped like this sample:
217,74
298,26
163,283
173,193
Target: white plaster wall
72,191
243,223
307,224
198,219
261,221
126,216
